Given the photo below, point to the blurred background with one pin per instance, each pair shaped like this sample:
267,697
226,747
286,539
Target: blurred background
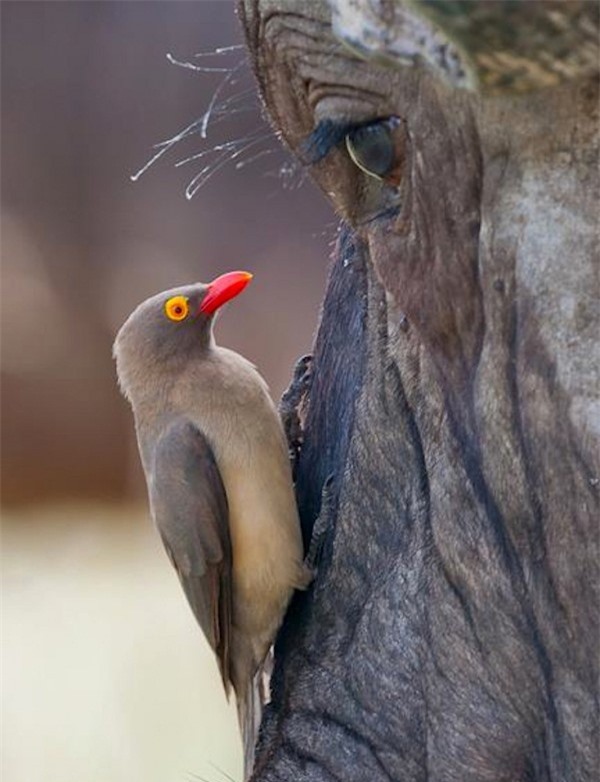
105,675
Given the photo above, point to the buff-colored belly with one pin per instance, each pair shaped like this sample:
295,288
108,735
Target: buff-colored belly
266,545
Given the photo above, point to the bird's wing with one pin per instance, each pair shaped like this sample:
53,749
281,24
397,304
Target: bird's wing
189,506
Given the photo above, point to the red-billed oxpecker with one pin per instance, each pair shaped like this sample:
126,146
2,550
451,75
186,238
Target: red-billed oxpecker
218,475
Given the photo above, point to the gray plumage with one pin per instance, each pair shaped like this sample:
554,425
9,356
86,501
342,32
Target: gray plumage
219,482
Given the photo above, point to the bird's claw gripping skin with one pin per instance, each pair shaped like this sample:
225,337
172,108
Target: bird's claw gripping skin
290,410
291,405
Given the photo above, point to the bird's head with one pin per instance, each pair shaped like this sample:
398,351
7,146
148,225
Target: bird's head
166,330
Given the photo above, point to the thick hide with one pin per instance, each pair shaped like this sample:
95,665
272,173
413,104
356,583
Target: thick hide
451,428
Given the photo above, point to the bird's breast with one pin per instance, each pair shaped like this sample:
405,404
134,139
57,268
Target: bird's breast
235,412
265,537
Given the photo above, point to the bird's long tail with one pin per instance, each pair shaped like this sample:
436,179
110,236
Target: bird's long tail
250,707
249,710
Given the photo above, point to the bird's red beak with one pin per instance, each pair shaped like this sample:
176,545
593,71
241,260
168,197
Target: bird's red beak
224,288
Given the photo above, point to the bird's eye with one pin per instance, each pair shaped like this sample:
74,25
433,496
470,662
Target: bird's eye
177,308
374,148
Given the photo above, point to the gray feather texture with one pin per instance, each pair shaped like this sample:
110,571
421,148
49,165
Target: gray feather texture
189,508
219,482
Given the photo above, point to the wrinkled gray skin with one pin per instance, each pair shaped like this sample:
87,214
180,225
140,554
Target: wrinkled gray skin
452,630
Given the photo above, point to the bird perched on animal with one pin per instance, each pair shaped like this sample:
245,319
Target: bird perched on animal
218,476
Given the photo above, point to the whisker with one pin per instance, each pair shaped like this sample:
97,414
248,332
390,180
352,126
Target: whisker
194,776
197,182
251,91
221,771
192,67
208,171
263,153
226,145
216,94
216,165
197,126
221,50
220,108
222,112
221,115
165,146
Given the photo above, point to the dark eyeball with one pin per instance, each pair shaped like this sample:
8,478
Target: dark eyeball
374,148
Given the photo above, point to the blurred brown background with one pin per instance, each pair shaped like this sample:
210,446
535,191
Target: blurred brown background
105,676
86,91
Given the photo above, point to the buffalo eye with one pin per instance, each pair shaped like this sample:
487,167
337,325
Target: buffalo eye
374,148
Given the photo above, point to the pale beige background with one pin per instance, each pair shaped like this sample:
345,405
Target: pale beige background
106,677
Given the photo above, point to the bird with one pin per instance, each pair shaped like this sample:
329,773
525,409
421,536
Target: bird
219,481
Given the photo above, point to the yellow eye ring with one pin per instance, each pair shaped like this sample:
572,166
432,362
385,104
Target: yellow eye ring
177,308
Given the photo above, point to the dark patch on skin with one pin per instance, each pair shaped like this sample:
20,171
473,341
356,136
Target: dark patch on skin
336,377
337,369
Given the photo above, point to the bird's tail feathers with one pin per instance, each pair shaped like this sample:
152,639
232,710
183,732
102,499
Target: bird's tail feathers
249,708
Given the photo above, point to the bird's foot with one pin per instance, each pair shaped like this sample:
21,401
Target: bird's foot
290,407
